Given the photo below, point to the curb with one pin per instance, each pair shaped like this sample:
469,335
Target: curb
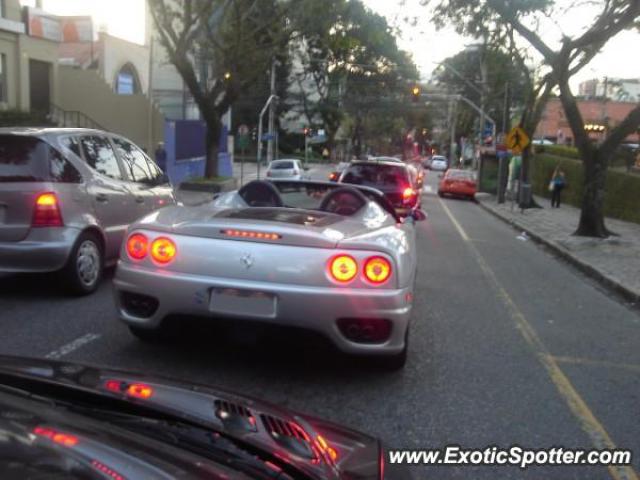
584,267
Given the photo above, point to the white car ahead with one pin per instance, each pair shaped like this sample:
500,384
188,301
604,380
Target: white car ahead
439,163
285,169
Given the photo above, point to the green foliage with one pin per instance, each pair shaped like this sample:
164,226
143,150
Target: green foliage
563,151
352,59
18,118
461,72
622,190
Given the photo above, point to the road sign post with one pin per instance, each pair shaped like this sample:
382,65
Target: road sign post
517,140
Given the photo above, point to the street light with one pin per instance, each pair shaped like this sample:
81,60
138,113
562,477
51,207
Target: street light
227,76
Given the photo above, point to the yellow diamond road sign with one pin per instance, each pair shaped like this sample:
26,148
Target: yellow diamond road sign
517,140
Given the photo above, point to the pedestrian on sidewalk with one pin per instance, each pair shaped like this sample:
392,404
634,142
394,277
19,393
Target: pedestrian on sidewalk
557,184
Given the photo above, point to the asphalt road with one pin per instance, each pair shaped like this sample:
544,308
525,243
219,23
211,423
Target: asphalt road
508,346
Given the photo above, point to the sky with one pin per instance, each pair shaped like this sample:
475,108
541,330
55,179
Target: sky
428,45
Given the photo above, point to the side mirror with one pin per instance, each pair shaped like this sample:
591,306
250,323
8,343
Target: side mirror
418,215
441,175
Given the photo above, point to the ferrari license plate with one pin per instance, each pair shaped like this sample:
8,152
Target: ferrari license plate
250,303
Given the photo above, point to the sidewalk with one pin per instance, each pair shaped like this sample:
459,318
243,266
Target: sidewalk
614,261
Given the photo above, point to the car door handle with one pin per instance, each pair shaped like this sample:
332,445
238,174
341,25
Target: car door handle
102,197
139,199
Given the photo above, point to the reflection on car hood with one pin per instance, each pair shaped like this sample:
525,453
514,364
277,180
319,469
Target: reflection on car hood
80,421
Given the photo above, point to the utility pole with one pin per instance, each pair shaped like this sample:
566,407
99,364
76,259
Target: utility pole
150,95
505,111
452,118
483,95
272,112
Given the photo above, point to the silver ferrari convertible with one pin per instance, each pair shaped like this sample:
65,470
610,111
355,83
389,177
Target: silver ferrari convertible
321,256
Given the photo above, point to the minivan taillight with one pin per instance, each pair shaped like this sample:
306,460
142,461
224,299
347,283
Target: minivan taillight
47,211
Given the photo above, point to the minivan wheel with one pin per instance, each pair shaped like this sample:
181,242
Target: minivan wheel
83,271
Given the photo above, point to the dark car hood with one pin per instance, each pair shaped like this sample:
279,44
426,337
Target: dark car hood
163,441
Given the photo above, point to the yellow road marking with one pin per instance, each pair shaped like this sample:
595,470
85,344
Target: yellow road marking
597,363
461,231
581,411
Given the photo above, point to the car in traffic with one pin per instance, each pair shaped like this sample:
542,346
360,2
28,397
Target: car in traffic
66,420
459,183
439,163
319,256
287,169
395,179
67,197
334,175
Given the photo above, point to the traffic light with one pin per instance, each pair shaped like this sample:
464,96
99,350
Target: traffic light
306,131
415,93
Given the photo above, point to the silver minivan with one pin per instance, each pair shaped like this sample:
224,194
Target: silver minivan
67,197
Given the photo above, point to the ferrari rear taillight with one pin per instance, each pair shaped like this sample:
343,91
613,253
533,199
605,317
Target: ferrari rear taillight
377,270
163,250
343,268
47,211
137,246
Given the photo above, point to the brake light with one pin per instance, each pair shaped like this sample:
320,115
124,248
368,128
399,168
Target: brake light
250,234
408,193
139,390
47,211
343,268
163,250
137,246
333,176
60,438
377,270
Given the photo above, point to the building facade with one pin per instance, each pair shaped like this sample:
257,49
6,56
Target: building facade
606,113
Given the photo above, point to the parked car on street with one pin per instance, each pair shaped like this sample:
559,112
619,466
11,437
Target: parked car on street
460,183
319,256
67,197
286,169
65,420
439,163
395,179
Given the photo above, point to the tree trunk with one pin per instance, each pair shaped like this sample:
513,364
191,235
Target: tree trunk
592,212
214,128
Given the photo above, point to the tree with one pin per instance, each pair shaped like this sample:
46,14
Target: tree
506,84
221,48
351,59
561,64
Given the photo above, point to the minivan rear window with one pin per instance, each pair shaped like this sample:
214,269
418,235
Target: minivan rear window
375,175
30,159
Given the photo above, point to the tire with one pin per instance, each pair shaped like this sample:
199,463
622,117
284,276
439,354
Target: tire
440,194
84,268
393,363
149,335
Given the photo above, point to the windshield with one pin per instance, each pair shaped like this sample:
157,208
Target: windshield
412,220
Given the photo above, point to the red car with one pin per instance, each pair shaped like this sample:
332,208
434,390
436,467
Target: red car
459,183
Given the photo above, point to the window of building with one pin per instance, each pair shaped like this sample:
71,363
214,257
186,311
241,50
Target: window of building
3,75
127,82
